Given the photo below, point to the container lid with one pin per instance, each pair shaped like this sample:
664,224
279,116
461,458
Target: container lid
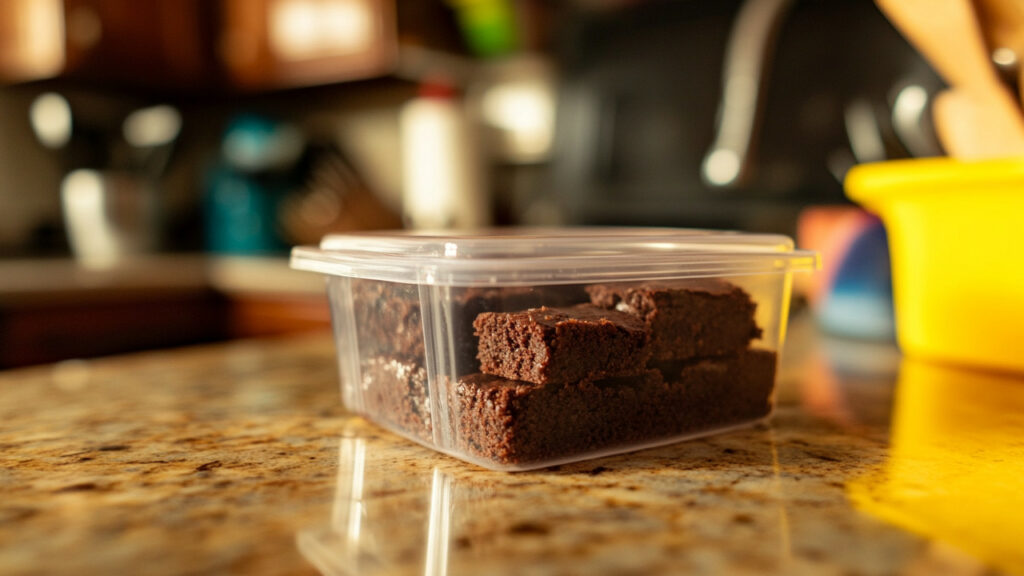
535,256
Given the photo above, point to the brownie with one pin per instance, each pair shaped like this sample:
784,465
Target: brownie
513,422
536,375
388,318
695,318
558,345
395,393
468,303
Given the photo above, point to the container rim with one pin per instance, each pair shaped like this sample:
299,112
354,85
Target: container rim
876,182
535,256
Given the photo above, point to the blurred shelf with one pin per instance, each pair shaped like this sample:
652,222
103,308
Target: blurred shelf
52,310
200,47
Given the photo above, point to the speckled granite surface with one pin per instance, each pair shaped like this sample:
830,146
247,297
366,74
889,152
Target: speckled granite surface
237,458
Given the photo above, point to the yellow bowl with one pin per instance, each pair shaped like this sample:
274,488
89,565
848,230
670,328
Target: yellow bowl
956,230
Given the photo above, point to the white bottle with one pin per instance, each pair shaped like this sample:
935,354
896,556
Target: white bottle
442,184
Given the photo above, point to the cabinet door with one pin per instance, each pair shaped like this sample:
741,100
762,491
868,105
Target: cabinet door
193,45
280,43
158,43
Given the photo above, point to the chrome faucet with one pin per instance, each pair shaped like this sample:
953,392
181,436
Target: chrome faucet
748,54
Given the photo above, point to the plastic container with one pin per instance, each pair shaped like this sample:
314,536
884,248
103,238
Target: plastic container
955,237
441,339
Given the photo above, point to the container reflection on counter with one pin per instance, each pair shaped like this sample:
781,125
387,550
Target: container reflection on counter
369,498
400,509
956,462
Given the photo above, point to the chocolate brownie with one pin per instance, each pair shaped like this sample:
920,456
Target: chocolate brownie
388,317
395,393
558,345
513,422
694,318
469,303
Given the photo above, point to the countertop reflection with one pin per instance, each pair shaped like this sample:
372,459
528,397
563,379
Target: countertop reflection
236,458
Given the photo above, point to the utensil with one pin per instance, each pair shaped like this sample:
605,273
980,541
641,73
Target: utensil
864,132
59,127
750,48
1002,23
912,121
109,215
50,117
969,129
948,34
151,132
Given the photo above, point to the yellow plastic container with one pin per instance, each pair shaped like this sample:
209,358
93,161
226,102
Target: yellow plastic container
956,233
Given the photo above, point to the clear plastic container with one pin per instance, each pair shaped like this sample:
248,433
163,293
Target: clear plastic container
526,348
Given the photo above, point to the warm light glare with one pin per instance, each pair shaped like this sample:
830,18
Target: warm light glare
32,41
722,167
302,29
153,126
518,106
525,110
50,116
85,210
43,27
427,149
345,26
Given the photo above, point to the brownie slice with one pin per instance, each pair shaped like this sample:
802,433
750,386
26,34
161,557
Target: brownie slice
471,302
513,422
695,318
388,319
396,394
556,345
389,322
732,388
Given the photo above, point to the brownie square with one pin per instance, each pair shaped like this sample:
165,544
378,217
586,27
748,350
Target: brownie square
725,390
388,318
687,319
468,303
515,422
556,345
512,422
396,394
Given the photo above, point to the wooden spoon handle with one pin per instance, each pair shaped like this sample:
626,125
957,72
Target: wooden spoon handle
978,124
1002,23
946,32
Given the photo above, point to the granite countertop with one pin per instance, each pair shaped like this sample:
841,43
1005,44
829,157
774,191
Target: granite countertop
238,458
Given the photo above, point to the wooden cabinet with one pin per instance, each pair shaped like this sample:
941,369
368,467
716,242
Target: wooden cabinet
44,330
194,45
161,43
302,42
55,310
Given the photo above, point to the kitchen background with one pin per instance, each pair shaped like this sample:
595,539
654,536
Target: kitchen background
146,141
